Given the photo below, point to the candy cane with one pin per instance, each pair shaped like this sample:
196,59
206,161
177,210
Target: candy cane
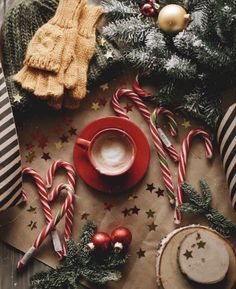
183,162
49,227
140,91
45,203
155,134
172,128
54,193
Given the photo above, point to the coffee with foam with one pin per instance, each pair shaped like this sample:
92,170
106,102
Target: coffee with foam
112,153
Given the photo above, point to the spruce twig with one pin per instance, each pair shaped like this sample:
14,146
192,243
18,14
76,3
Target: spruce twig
80,262
202,205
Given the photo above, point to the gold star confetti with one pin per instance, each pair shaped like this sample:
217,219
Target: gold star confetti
102,41
30,157
150,214
95,106
186,124
188,254
104,86
58,145
84,216
201,244
108,54
141,253
17,98
152,227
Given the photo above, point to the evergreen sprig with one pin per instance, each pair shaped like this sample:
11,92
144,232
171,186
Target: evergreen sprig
80,262
202,205
199,62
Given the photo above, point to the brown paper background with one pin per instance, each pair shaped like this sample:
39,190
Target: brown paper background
139,272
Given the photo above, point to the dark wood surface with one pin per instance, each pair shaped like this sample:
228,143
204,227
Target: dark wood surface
9,277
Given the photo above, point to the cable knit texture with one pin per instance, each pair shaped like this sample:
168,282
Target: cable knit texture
20,25
47,46
85,48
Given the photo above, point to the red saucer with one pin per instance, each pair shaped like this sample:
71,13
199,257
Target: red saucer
113,184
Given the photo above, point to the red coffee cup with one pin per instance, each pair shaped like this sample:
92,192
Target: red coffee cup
111,151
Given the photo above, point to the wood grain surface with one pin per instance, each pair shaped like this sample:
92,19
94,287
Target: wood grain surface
9,278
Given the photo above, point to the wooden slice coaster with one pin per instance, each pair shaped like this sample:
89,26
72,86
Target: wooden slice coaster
203,257
169,275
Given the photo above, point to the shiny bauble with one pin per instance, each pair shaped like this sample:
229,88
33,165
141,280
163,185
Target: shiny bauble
121,238
173,18
147,10
100,241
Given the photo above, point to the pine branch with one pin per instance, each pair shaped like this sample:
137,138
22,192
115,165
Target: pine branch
81,262
116,9
201,205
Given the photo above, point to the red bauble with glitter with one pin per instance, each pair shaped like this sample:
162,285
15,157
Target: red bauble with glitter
121,238
100,241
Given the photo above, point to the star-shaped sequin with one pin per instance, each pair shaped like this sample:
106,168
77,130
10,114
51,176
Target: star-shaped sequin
160,192
32,210
102,41
95,106
150,187
108,54
141,253
128,107
131,198
186,124
32,225
135,210
150,213
188,254
108,206
126,212
17,98
64,138
104,86
102,101
72,131
29,146
152,227
85,216
201,244
30,157
58,145
46,156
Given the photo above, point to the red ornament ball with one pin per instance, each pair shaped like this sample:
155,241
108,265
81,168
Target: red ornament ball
147,9
100,241
121,238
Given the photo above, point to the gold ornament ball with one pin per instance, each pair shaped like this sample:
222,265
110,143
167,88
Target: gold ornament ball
173,18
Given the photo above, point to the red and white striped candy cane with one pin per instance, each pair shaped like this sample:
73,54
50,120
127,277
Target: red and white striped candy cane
172,128
183,162
49,227
155,134
54,193
44,201
140,91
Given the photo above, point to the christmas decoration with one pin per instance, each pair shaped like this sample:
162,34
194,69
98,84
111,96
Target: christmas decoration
100,241
121,238
157,137
190,253
226,137
202,205
191,67
81,263
198,257
173,18
25,17
183,162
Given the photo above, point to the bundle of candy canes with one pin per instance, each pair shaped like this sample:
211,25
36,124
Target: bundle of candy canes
67,209
162,143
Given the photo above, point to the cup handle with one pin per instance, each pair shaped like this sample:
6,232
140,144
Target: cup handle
83,143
